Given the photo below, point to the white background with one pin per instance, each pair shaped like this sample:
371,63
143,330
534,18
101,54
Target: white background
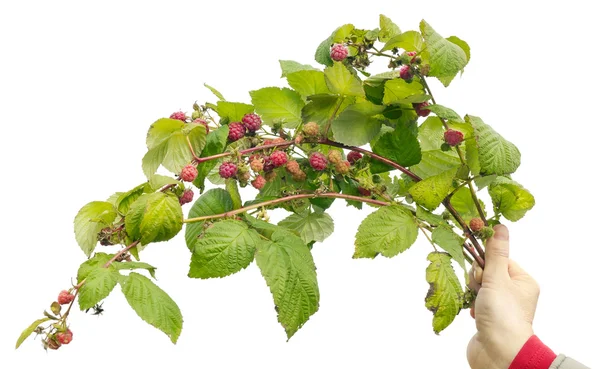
81,82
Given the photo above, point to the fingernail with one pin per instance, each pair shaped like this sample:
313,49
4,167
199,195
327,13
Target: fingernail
501,232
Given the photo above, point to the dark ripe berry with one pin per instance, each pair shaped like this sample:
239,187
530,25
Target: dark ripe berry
64,297
189,173
354,156
363,191
203,122
317,161
268,165
236,131
405,73
476,224
179,115
252,122
278,158
453,137
186,197
339,52
228,170
64,337
421,109
259,182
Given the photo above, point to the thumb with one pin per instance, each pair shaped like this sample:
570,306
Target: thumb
496,255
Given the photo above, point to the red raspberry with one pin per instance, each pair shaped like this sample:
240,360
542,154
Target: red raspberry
236,131
252,122
421,109
186,197
179,115
363,191
453,137
405,73
278,158
317,161
342,167
64,338
228,170
339,52
202,121
189,173
354,156
292,166
64,297
334,156
412,54
311,129
476,224
259,182
256,164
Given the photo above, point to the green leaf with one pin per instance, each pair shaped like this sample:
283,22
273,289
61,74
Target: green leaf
510,198
429,217
131,265
464,205
341,81
225,248
278,105
400,146
157,181
409,41
342,33
90,219
96,262
463,45
496,155
233,111
452,243
445,57
323,53
322,107
289,270
444,112
444,298
127,198
354,126
308,82
152,304
161,130
388,231
434,162
154,217
215,92
215,144
29,330
232,188
430,192
398,91
388,28
290,66
312,227
214,201
98,285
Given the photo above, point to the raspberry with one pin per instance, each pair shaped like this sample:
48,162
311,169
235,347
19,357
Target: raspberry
476,224
453,137
189,173
354,156
413,55
51,343
186,197
202,121
278,158
311,129
363,191
299,176
270,176
334,156
339,52
227,170
64,297
342,167
292,166
252,122
298,140
277,140
259,182
421,109
179,115
236,131
256,164
64,338
317,161
405,73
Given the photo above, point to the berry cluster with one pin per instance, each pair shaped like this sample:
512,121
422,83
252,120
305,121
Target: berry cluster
250,124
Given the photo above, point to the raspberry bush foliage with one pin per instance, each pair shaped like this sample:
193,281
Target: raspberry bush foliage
340,132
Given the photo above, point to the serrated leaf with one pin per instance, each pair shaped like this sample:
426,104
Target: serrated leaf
434,162
312,227
215,144
462,44
90,219
214,201
341,34
289,270
308,82
483,182
233,111
448,240
496,154
278,105
161,130
444,298
429,217
290,66
430,192
409,41
323,52
444,112
225,248
388,231
510,198
354,126
96,262
29,330
341,81
131,265
98,285
232,188
152,304
398,91
157,181
215,92
388,29
320,108
445,58
127,198
464,205
154,217
400,146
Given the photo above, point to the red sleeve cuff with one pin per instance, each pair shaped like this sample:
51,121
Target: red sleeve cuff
533,355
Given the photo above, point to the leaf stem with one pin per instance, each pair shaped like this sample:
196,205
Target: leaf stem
338,106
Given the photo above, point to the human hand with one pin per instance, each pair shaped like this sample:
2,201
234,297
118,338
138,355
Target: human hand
504,309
